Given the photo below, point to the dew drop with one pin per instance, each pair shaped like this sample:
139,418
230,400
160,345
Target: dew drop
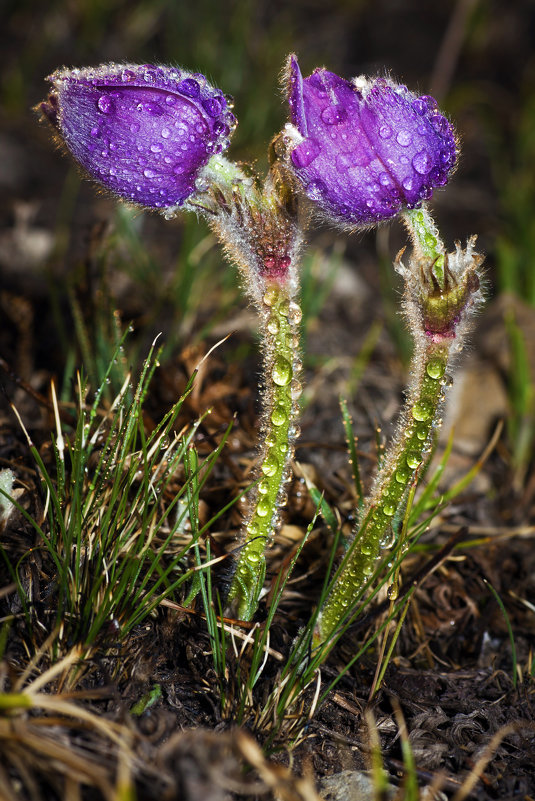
367,570
422,162
407,184
435,368
430,102
149,173
220,128
384,179
333,115
271,295
419,105
95,130
273,326
263,507
392,592
389,509
422,432
296,389
189,87
402,476
263,487
278,416
440,124
105,104
422,410
155,148
366,549
166,133
253,558
270,465
214,105
281,372
295,314
413,459
385,131
403,138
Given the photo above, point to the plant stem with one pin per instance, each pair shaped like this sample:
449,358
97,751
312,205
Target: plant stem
406,454
426,239
280,320
438,289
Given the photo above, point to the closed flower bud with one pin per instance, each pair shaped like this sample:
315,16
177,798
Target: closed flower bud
144,132
364,149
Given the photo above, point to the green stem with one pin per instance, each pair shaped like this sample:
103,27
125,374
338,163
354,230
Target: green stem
281,317
413,441
393,481
426,239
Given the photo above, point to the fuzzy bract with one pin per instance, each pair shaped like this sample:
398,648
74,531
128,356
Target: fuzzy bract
144,132
363,149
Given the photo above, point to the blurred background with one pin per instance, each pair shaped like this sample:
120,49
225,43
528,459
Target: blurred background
74,263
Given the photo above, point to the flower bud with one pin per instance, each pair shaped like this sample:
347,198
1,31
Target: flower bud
363,149
144,132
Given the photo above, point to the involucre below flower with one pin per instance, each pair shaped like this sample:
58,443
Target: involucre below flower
366,148
144,132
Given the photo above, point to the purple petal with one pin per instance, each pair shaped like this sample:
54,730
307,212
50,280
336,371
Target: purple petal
144,132
366,153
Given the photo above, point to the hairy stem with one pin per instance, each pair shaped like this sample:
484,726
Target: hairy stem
280,320
440,291
405,455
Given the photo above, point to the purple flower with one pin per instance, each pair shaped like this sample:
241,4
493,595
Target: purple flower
368,147
144,132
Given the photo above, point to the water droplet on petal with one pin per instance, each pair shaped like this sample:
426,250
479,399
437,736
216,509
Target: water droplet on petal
419,105
333,115
422,162
105,104
403,138
385,131
214,105
189,87
149,173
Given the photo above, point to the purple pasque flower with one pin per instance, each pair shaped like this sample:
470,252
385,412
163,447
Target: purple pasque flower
144,132
365,148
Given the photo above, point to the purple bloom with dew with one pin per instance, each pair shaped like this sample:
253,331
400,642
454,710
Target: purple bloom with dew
144,132
366,148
